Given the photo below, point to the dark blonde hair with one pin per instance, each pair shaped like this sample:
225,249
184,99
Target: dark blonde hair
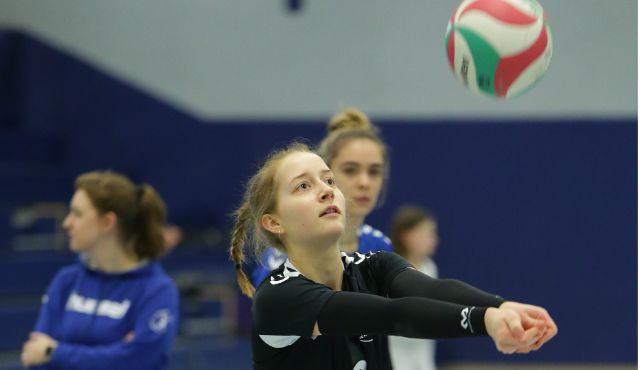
352,124
140,211
259,199
405,219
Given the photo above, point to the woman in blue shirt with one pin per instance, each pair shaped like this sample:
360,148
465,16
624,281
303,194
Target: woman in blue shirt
116,308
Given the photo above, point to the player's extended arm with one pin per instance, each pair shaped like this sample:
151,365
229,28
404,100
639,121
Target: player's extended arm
350,313
413,283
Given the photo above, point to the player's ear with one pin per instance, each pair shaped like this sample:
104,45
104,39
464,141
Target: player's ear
271,223
109,221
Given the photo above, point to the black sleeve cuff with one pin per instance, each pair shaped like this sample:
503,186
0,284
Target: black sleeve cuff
476,320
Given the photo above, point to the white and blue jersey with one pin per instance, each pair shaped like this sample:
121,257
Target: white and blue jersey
369,240
110,321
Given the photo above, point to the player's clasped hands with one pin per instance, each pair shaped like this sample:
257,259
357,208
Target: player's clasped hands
519,328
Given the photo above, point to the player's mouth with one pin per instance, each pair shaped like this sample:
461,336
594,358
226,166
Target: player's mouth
363,201
331,210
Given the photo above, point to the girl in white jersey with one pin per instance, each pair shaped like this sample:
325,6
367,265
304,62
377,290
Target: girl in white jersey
415,237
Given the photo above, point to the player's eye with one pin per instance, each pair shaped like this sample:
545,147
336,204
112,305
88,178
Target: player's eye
303,186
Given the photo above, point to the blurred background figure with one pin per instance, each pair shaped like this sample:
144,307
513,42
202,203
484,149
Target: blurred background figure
173,236
115,308
414,234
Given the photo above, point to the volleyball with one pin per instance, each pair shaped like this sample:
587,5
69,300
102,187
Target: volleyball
499,48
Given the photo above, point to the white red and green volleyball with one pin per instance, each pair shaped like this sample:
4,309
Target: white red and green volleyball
499,48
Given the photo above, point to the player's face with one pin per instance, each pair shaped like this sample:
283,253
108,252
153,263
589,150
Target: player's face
359,169
83,223
309,205
422,239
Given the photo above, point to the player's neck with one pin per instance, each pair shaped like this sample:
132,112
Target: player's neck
349,240
111,256
416,261
322,265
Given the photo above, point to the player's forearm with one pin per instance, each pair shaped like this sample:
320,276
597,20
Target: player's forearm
348,313
412,283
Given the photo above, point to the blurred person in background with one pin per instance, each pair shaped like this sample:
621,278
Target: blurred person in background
356,153
414,235
173,236
326,309
115,308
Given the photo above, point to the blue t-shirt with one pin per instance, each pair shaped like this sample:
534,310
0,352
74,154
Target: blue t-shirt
110,321
369,240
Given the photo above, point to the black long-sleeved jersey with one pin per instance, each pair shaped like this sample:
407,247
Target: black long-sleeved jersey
381,295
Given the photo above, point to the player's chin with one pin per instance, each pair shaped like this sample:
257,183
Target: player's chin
361,210
75,247
334,229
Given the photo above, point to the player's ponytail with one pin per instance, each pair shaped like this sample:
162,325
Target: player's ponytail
236,251
151,221
350,119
